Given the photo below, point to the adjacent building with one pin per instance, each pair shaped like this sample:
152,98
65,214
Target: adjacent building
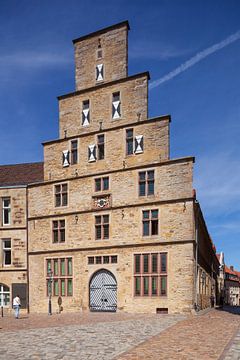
232,286
114,224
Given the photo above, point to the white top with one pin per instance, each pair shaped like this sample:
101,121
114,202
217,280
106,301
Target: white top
16,301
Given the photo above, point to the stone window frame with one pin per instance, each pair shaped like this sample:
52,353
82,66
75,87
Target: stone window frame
6,250
60,230
151,221
145,182
100,181
145,273
58,280
61,194
6,211
103,226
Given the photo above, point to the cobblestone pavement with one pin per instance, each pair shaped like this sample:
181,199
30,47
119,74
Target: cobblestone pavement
95,340
201,337
99,336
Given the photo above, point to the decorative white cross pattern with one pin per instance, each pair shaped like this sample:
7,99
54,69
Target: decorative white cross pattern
65,157
99,72
138,144
116,109
85,117
91,153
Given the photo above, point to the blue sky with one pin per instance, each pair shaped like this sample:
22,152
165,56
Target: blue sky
36,65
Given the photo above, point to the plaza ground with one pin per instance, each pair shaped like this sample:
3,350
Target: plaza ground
101,336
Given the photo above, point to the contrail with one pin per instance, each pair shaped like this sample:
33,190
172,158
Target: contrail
195,59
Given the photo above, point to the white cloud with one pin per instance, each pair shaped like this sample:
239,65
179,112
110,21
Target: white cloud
195,59
154,50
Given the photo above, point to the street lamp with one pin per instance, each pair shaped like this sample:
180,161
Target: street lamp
50,280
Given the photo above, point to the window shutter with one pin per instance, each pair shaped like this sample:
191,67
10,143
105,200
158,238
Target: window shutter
99,72
91,153
116,109
85,117
65,158
138,144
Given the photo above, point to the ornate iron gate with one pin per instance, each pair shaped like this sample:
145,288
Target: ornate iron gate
103,292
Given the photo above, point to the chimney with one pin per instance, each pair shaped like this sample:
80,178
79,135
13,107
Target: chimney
231,268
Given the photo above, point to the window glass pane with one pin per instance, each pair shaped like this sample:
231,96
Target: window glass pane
58,200
62,223
64,199
137,286
142,175
6,299
69,261
86,104
62,262
97,184
64,188
154,227
69,284
129,147
154,285
154,263
98,219
55,224
145,285
163,262
98,259
142,189
63,287
55,236
154,214
55,267
62,235
7,259
151,187
129,133
56,288
145,263
145,214
106,231
163,285
151,174
116,96
106,259
7,244
105,183
91,260
114,259
145,228
137,263
105,219
98,232
48,266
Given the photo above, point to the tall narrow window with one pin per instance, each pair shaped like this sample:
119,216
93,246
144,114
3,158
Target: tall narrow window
6,211
129,141
58,231
102,227
61,195
146,183
100,147
150,222
74,152
7,252
116,105
85,113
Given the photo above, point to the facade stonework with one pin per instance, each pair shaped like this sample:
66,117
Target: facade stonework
114,224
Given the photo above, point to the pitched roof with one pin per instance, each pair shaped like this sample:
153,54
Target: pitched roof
21,174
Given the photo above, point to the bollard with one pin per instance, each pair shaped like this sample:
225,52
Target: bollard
2,311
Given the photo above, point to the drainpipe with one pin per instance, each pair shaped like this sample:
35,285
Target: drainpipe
27,250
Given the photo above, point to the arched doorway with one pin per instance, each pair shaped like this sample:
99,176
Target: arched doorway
4,295
103,291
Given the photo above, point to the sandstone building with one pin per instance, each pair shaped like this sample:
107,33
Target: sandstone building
115,224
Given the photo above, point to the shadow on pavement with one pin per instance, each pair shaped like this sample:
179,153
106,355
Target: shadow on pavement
231,309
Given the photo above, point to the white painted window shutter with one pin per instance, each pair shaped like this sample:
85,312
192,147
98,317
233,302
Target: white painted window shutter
65,158
138,144
116,114
99,72
92,153
85,117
